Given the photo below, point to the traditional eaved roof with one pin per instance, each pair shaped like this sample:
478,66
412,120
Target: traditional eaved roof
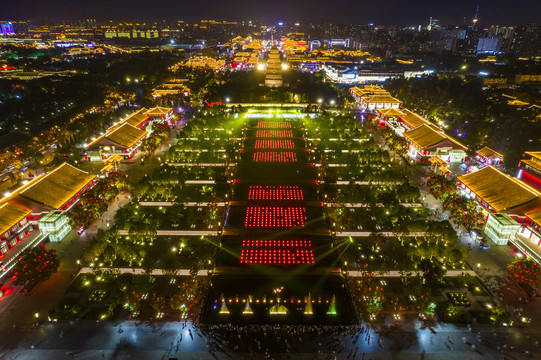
437,159
499,190
391,112
383,98
425,136
58,186
489,153
534,161
159,111
11,215
444,170
536,165
107,168
124,135
534,154
135,119
412,119
535,217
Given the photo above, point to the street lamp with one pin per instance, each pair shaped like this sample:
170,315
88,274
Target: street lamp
332,102
319,101
227,99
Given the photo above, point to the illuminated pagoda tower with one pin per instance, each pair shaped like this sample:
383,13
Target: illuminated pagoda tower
273,77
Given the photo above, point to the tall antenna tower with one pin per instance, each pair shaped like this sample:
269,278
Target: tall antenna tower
476,17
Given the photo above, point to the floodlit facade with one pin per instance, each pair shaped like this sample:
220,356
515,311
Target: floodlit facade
500,228
427,141
55,224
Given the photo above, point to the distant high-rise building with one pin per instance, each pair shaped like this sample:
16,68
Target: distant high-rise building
6,29
433,24
488,45
476,17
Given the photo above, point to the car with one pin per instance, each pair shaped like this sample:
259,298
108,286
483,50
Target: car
81,229
2,290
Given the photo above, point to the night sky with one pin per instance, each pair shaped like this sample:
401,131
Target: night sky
389,12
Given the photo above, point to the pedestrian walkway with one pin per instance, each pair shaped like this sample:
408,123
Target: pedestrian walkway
396,273
140,271
384,233
171,203
177,232
363,205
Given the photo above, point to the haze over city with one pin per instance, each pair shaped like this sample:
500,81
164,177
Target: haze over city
393,12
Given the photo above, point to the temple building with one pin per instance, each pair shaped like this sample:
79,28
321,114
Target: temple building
411,120
13,226
530,169
123,140
488,156
427,141
25,208
160,114
498,193
59,189
138,118
371,97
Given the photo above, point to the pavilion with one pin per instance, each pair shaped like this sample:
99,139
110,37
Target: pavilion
488,156
427,141
123,140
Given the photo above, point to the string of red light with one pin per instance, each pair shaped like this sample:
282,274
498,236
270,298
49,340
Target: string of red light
274,125
275,156
275,133
275,192
274,144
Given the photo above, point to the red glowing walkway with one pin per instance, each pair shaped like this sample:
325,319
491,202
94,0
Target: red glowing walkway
275,156
274,144
274,133
264,192
274,125
274,216
280,252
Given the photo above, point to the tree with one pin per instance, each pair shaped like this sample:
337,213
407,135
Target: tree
432,273
454,312
35,266
525,271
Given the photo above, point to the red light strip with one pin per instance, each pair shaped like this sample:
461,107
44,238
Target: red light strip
260,192
274,125
283,252
275,156
274,144
277,243
274,217
275,133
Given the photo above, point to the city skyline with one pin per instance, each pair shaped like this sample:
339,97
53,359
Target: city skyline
455,13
